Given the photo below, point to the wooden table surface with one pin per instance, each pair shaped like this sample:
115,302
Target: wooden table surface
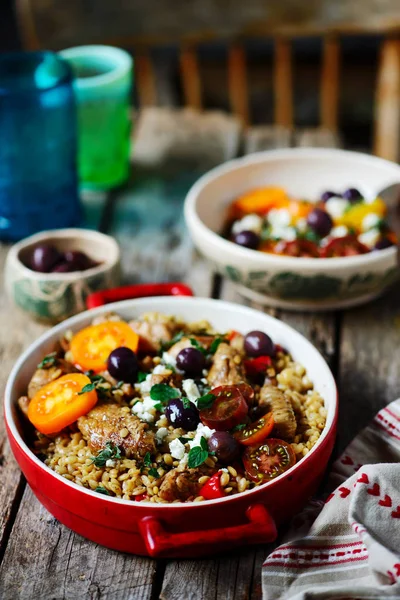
42,559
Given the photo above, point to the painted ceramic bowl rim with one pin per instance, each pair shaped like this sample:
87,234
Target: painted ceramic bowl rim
265,259
67,324
89,234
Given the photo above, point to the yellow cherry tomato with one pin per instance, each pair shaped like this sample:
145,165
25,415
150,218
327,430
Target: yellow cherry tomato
260,201
299,209
355,215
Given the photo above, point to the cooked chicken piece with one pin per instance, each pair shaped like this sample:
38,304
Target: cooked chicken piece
237,342
154,330
170,378
23,404
275,400
180,485
42,377
227,367
109,423
203,340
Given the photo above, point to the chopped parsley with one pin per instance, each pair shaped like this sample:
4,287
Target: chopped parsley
89,387
198,346
50,360
110,452
147,460
165,346
205,401
141,376
163,392
154,473
215,343
102,490
239,427
186,402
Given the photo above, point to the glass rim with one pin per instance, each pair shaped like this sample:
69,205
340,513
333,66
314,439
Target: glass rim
122,59
66,77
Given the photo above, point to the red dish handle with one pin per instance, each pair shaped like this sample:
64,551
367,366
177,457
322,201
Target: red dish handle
141,290
161,543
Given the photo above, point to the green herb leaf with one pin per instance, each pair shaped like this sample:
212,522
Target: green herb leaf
147,460
203,444
205,401
186,402
102,490
184,440
48,361
110,452
196,457
89,387
164,346
198,346
163,392
141,376
158,406
215,343
154,473
239,427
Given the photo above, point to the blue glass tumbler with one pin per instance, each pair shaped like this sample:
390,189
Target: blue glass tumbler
38,145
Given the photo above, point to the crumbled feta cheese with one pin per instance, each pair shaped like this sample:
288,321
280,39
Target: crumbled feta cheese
284,233
111,463
336,207
339,231
177,449
201,431
191,389
161,433
369,238
279,217
145,386
167,359
184,460
369,221
248,223
141,409
161,370
301,225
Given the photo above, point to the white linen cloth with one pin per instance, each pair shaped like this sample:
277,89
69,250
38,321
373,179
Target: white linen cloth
347,547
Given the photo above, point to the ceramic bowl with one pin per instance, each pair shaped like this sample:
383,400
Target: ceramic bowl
184,528
52,297
283,281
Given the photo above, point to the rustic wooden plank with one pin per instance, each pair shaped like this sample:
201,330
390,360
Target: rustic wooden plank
61,24
145,79
283,92
369,359
237,83
46,560
190,75
330,83
387,106
17,331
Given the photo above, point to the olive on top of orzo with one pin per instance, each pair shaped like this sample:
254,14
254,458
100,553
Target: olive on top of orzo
161,410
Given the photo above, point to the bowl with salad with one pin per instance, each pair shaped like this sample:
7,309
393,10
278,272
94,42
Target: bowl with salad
302,229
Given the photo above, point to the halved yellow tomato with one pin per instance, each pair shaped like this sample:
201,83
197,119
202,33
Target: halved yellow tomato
354,216
299,209
60,403
260,201
92,346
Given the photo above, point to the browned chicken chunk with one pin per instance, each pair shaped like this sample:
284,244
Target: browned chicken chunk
203,340
42,377
274,400
180,485
227,367
153,332
111,423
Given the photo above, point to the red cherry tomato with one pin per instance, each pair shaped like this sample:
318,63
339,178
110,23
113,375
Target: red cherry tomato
303,248
344,246
256,432
255,366
247,392
232,334
141,497
268,460
228,409
212,488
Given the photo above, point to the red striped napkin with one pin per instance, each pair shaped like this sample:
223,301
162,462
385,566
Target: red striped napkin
347,547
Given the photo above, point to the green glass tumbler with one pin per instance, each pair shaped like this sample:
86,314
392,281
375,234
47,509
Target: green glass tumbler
102,84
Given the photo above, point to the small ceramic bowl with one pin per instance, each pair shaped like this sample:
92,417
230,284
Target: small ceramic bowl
52,297
283,281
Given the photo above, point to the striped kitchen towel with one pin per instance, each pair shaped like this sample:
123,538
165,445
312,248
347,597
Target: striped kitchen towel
347,547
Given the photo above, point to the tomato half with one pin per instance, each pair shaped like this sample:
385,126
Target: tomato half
303,248
92,346
257,366
212,488
228,409
256,432
59,403
247,392
268,460
344,246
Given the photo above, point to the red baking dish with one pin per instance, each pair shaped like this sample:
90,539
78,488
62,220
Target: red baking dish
179,529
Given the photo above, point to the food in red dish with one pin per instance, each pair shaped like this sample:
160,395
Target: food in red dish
159,410
335,225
